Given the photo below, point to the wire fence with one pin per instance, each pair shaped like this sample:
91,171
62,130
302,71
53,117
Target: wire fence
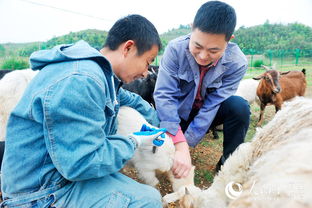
279,58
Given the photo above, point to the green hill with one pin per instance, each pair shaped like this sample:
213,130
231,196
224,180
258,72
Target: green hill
275,37
253,40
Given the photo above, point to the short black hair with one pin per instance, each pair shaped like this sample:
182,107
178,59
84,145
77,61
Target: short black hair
216,17
133,27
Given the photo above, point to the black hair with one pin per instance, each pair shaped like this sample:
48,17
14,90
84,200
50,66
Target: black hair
216,17
133,27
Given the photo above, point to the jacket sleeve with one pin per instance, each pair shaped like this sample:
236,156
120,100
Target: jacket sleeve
135,101
76,130
167,91
201,123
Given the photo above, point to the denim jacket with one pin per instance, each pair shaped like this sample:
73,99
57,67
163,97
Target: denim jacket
63,128
177,85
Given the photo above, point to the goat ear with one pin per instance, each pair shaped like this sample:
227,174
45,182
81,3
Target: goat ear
172,197
258,77
283,73
187,192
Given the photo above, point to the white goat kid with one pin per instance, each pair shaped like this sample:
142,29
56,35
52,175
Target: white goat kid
144,160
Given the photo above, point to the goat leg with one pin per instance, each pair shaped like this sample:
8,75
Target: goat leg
262,107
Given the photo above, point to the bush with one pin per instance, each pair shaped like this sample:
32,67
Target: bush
257,63
15,63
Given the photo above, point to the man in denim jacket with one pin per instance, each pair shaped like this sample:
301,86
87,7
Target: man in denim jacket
198,75
61,146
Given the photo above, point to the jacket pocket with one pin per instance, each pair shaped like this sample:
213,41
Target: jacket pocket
186,86
213,86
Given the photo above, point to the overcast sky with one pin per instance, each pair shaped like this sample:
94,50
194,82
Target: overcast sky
41,20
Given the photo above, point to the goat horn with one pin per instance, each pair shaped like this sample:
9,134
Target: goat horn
187,191
265,67
153,71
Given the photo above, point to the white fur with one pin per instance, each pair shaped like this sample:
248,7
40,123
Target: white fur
144,160
274,169
247,89
12,87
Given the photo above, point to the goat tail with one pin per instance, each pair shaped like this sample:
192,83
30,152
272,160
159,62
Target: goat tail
304,71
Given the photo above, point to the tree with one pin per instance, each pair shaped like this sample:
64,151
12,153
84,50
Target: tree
2,51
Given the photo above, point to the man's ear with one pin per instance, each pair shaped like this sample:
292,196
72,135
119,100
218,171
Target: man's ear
232,37
127,47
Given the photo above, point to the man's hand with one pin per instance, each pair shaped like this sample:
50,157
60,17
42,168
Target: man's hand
148,136
182,163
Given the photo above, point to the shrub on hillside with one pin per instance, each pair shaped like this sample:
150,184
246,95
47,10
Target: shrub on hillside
15,63
258,63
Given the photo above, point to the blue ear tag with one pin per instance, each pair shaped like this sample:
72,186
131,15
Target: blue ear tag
158,142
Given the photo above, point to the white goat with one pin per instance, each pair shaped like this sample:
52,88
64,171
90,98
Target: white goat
247,89
274,170
12,87
144,160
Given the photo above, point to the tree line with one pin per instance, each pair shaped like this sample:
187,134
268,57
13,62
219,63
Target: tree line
269,39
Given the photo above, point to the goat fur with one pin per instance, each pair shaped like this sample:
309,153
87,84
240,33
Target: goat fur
12,87
247,89
277,157
144,160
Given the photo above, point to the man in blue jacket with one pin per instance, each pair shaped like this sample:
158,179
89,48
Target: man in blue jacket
61,144
198,75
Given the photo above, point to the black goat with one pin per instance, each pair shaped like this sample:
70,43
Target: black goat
145,86
4,72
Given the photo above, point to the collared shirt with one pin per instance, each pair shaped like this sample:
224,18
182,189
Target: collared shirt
199,100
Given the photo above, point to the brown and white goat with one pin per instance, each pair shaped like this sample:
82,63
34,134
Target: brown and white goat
276,87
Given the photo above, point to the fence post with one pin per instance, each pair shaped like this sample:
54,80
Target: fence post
281,52
270,53
252,52
297,56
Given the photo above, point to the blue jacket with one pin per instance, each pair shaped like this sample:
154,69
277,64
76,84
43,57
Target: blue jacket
63,128
177,85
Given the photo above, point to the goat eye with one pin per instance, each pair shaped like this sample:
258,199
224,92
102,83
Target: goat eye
267,78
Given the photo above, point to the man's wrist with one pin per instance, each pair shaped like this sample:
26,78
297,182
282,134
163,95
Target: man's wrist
182,146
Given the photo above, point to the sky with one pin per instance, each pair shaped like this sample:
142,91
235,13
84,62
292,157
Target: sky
41,20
